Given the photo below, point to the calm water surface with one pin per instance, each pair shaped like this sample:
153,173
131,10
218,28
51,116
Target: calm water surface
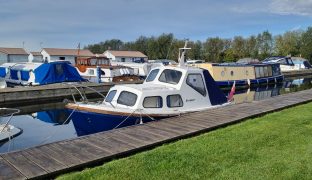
47,123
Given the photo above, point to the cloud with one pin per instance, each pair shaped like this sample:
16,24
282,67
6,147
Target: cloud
291,7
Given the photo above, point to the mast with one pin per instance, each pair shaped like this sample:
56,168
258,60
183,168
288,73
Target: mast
182,52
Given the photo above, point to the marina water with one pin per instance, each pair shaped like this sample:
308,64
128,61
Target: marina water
46,123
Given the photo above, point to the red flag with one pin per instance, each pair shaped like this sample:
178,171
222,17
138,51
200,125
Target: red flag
231,95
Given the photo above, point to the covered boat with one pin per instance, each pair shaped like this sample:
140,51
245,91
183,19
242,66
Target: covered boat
285,62
39,73
167,91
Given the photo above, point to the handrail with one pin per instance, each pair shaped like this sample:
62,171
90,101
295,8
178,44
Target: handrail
16,111
84,97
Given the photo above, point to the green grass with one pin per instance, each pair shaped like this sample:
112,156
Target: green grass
275,146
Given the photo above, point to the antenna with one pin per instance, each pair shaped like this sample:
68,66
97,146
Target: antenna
182,52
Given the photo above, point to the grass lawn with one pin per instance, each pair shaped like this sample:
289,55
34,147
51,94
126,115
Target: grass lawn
275,146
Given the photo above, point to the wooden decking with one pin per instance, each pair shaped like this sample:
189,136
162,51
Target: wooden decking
52,159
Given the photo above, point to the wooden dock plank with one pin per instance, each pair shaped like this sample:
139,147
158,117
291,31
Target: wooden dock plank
27,167
7,171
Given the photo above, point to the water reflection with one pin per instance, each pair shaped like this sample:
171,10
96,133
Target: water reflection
45,123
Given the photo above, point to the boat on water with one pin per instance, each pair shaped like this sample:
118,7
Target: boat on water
100,69
286,63
243,74
30,74
167,91
8,131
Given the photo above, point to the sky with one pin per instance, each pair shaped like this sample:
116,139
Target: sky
65,23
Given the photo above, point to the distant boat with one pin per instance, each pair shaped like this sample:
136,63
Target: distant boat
225,74
167,91
286,63
30,74
99,69
8,131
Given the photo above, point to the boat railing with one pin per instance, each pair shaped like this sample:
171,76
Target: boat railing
8,112
80,89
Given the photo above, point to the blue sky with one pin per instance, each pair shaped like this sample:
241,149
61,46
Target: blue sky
65,23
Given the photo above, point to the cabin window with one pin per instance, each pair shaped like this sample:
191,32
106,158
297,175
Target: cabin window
61,58
283,61
232,73
123,59
170,76
91,71
152,75
127,98
222,73
59,69
197,83
110,96
153,102
174,101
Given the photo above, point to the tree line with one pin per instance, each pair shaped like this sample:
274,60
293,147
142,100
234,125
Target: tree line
216,49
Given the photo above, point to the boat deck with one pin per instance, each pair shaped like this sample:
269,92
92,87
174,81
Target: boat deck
53,159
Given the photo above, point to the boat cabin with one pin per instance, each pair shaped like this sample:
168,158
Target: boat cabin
169,89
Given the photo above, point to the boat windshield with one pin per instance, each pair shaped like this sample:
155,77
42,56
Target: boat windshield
127,98
152,75
110,96
170,76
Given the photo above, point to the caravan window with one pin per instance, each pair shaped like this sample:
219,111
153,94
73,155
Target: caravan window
153,102
197,83
170,76
152,75
174,101
110,96
127,98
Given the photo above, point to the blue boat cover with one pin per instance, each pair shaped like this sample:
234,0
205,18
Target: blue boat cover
13,73
25,75
216,96
2,72
56,72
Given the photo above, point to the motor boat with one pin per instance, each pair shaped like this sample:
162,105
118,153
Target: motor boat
100,69
8,131
167,91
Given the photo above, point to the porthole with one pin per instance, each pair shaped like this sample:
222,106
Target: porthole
232,73
247,73
222,73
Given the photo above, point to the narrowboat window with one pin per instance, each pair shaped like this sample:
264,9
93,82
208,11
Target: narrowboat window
152,75
222,73
261,71
232,73
153,102
127,98
257,72
170,76
174,101
110,96
197,83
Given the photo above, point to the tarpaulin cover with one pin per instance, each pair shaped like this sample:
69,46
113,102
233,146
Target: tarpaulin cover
2,72
216,96
56,72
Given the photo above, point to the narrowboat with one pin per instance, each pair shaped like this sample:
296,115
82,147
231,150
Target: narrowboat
226,74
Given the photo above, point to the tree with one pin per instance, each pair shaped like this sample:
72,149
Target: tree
265,44
288,44
306,46
213,49
238,47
